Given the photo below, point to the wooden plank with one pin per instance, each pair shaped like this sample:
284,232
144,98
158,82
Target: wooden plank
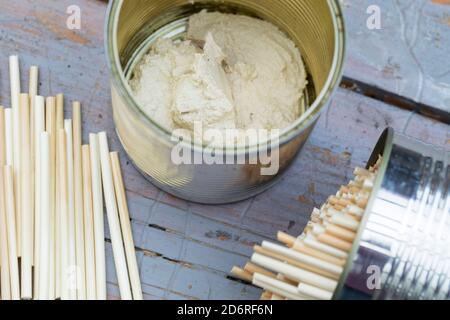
408,55
185,250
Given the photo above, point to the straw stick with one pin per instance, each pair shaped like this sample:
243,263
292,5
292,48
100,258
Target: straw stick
295,263
286,238
45,216
58,250
25,200
71,210
33,81
242,274
126,227
9,138
113,219
345,222
5,275
335,242
50,124
253,268
312,242
78,196
339,232
4,259
91,293
277,287
314,292
14,73
32,93
97,205
11,229
64,218
39,127
303,258
299,246
266,295
2,137
294,272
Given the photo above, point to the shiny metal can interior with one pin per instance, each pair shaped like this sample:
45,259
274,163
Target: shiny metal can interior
402,250
316,27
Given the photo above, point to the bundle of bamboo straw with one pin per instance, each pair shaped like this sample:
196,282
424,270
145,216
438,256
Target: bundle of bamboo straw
309,266
51,203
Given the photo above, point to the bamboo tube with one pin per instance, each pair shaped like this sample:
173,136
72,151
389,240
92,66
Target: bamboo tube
9,138
113,219
91,292
253,268
294,272
99,231
314,292
277,287
315,263
64,217
127,234
301,265
78,192
72,282
45,216
242,274
5,274
50,125
39,127
25,200
14,72
11,229
58,242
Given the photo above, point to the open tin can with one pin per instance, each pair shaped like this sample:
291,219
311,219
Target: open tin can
316,27
402,249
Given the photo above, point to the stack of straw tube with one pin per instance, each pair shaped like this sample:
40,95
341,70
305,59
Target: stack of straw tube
309,267
52,187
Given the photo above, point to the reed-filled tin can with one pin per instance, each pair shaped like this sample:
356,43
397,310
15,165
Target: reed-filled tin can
402,250
316,27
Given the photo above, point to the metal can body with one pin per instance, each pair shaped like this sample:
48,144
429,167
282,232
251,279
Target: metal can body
403,246
315,26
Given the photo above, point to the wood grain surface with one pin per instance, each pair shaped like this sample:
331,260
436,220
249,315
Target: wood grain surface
186,250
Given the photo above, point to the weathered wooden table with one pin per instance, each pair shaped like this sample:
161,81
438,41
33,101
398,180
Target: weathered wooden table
186,250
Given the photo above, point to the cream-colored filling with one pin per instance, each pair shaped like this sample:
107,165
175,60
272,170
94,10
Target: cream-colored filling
232,72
